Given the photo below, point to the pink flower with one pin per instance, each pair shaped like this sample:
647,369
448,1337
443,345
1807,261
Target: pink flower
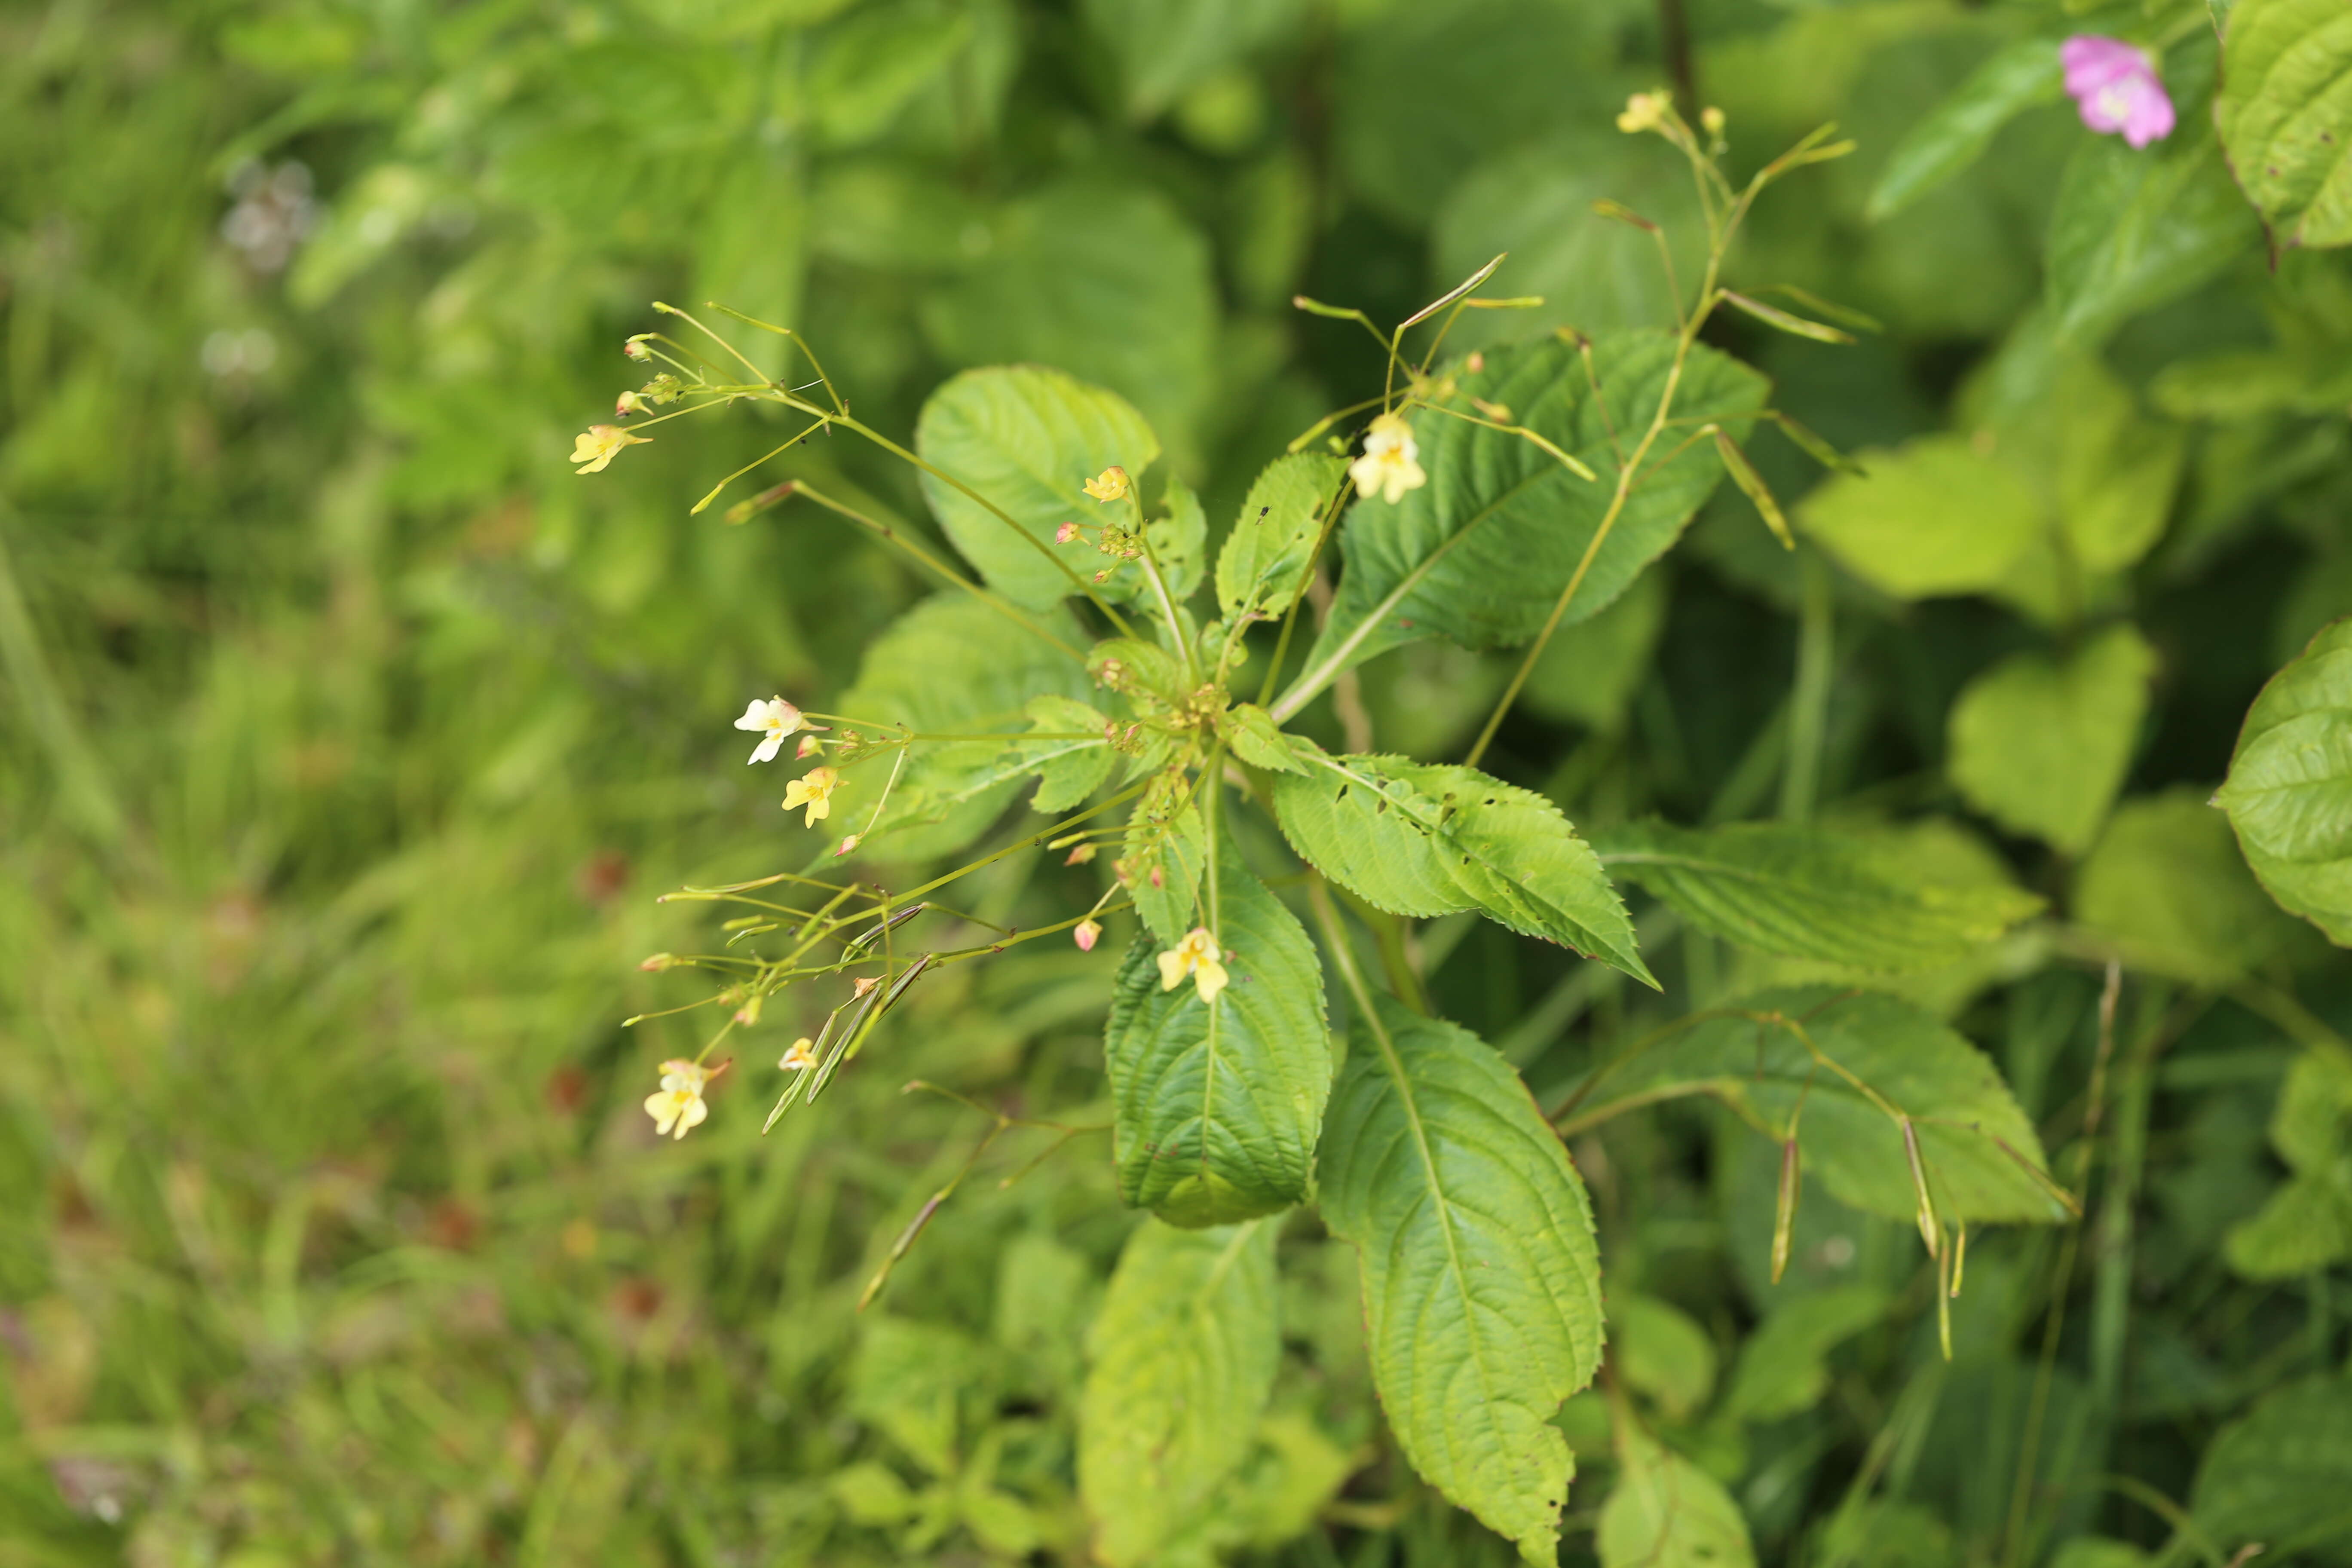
2115,85
1086,935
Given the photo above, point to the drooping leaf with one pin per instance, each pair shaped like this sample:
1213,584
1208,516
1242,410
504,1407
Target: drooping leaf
1425,839
1954,135
1810,893
1216,1105
2136,228
1667,1513
1480,554
1938,516
2286,115
2289,794
1782,1368
2166,887
1183,1357
1263,565
951,666
1026,438
1480,1280
2042,745
1762,1069
2281,1474
1068,769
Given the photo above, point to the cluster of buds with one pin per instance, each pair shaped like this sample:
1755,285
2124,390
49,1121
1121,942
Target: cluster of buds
1124,739
662,389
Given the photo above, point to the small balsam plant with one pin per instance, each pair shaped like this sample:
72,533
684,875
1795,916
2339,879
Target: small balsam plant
1088,644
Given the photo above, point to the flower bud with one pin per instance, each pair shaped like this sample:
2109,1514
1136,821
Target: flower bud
628,403
1088,933
1080,855
1065,533
658,963
809,747
635,349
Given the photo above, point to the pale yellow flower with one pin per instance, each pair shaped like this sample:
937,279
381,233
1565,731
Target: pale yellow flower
597,447
679,1104
814,790
775,716
1644,111
800,1057
1197,955
1391,464
1711,119
1109,484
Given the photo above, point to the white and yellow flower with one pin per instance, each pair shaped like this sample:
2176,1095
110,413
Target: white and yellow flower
1391,464
800,1057
775,717
814,790
599,444
1199,956
679,1105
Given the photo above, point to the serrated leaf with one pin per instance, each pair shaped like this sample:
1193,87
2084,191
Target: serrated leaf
1067,769
1026,438
1182,1358
951,666
2042,745
1810,893
1258,739
1954,135
1425,839
2135,228
1762,1070
1263,565
1216,1105
1481,1279
1480,554
1667,1513
1165,851
2280,1474
2166,887
1938,516
2289,794
2286,115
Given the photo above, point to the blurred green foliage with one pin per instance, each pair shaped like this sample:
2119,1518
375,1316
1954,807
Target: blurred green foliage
349,736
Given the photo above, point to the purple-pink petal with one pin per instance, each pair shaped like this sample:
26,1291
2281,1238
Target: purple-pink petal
2115,87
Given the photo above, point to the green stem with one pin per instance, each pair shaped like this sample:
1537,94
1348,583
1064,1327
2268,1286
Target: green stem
1801,769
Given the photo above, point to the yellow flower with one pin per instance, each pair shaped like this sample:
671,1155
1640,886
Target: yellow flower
680,1103
592,451
775,717
1109,484
1644,111
814,790
1197,956
1389,466
801,1058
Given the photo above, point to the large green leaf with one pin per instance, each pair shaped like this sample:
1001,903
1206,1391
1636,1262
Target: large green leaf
1762,1069
1810,893
1480,554
2042,745
1216,1105
2285,114
1480,1280
1425,839
1938,516
1955,133
2289,794
2135,228
1184,1355
2282,1475
1263,566
2167,888
1667,1513
951,666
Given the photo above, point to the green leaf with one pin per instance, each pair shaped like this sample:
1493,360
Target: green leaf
1588,672
1164,47
1067,769
1216,1105
863,72
1263,566
2135,228
2167,887
1106,280
1661,1350
1425,839
1165,852
2286,115
2117,470
2289,794
1480,554
1938,516
2042,745
1953,135
1667,1513
1258,739
1810,893
1762,1070
1480,1280
906,1380
1782,1369
951,666
1026,438
1183,1357
2307,1223
1179,541
2282,1475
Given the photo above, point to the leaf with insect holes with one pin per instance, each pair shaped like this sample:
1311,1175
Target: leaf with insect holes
1263,566
1481,1277
1182,1358
1810,893
1480,554
1425,839
1216,1105
2286,115
1761,1068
